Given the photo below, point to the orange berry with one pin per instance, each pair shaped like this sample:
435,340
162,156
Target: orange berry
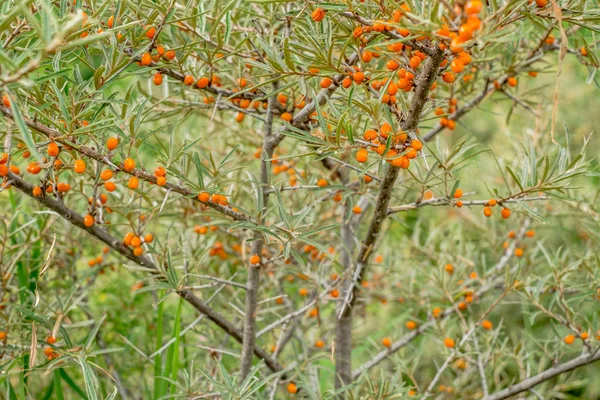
519,252
157,78
458,193
411,325
449,342
487,325
106,174
569,339
88,221
150,32
291,387
6,100
34,168
512,81
37,191
149,238
448,77
161,181
170,54
414,62
473,7
53,149
356,209
392,65
326,82
541,3
188,80
146,59
358,77
160,171
255,259
202,82
386,342
286,116
133,183
505,213
362,155
449,268
334,293
487,211
321,182
79,166
530,233
319,344
112,143
317,15
129,164
457,65
110,186
416,144
204,197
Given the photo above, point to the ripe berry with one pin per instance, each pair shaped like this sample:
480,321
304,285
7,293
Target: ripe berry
150,32
569,339
386,342
133,183
106,174
146,59
291,387
88,221
255,259
112,143
487,325
317,15
79,166
449,342
326,82
362,155
157,78
505,213
53,149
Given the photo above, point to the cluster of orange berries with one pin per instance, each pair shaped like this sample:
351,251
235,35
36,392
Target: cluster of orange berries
217,250
397,157
135,241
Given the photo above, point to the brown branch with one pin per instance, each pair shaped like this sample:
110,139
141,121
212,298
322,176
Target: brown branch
144,261
548,374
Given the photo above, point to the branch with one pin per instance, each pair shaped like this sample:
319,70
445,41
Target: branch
448,202
425,80
144,261
550,373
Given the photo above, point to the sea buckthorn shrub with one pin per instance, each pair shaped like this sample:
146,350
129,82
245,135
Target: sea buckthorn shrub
299,199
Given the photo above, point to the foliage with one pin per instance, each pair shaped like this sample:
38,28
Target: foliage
276,199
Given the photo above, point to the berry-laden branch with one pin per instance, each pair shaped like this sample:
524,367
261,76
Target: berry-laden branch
89,152
343,358
445,314
144,261
526,384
